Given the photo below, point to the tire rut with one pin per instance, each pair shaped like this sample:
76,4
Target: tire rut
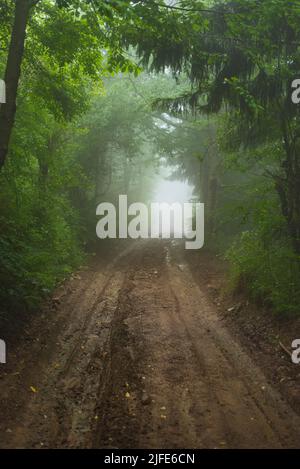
142,360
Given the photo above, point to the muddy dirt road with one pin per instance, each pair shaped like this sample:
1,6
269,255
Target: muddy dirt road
133,354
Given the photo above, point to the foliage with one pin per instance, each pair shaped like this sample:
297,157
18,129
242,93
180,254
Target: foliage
269,272
46,181
241,57
90,125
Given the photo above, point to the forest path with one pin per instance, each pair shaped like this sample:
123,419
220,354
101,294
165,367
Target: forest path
135,355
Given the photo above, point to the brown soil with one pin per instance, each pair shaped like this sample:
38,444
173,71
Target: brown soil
133,353
267,336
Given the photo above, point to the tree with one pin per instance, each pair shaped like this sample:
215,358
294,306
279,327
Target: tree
241,57
98,16
12,73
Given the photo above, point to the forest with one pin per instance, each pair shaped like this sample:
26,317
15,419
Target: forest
161,100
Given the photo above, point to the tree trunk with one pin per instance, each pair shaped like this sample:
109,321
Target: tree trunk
288,191
12,74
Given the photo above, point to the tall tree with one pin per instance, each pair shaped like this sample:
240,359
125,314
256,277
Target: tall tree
241,57
97,15
13,72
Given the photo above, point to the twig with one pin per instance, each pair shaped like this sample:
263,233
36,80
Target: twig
285,349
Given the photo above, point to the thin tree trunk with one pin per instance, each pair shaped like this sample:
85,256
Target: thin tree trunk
12,74
287,187
288,191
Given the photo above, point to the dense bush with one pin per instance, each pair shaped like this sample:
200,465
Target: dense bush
39,244
270,272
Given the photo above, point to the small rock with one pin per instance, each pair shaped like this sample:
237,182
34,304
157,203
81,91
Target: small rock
145,399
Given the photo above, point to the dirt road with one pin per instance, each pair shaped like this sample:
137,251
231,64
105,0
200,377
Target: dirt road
133,354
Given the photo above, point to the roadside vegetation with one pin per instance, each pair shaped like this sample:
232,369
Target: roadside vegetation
101,94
